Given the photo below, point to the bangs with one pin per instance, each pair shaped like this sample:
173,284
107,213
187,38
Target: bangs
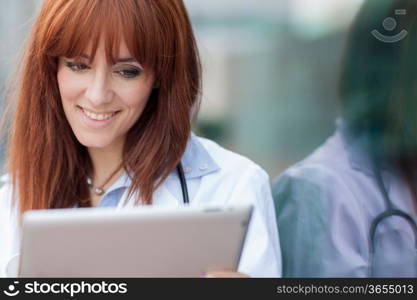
78,26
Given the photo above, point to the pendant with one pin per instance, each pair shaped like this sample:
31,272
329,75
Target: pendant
99,191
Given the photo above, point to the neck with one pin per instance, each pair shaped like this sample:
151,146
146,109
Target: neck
105,161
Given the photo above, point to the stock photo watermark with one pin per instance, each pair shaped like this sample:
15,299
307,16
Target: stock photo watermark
390,24
71,289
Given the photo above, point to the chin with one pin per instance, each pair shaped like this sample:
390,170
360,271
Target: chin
94,142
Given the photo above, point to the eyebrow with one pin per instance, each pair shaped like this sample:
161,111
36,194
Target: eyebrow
119,60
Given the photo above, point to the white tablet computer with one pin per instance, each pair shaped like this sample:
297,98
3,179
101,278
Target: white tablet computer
136,242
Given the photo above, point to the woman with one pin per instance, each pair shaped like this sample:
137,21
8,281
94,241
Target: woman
103,118
349,209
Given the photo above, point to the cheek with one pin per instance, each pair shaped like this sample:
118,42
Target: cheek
69,88
137,98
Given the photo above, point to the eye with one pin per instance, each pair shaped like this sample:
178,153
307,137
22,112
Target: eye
129,73
76,66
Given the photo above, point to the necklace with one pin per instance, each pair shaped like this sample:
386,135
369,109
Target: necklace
99,190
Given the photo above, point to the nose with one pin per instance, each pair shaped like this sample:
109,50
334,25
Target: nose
99,91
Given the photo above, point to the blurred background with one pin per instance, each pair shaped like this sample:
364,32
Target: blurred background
270,71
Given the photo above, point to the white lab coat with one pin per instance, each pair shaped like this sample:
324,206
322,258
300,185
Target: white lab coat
214,176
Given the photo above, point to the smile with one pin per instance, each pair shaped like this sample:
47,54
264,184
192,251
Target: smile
97,116
93,119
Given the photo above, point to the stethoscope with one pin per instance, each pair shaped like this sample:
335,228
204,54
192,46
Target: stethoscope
183,183
389,212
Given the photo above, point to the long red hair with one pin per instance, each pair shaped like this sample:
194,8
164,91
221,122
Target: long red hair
46,163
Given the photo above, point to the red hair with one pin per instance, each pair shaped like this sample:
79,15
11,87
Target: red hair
44,157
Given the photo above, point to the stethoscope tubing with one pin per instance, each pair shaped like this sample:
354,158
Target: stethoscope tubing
390,211
183,183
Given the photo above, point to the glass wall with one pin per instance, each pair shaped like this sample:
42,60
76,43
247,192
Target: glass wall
271,74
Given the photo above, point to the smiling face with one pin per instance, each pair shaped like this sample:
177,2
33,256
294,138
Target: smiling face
103,101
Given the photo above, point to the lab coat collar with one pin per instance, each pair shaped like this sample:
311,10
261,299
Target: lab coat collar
356,146
196,162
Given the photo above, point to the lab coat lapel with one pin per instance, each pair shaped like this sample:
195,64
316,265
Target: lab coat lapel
162,196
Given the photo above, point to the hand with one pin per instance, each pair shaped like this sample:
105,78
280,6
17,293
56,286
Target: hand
225,274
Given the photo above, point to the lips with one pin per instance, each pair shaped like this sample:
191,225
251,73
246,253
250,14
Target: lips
94,119
97,116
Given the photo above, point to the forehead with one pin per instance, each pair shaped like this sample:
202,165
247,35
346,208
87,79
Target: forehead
119,51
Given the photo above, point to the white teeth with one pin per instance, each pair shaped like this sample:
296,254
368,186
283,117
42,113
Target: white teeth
97,117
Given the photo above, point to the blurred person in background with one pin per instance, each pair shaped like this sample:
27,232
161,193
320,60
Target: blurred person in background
103,117
349,209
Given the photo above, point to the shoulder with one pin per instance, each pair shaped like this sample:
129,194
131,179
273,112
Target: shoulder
9,223
328,161
232,163
325,179
5,185
332,156
5,194
4,179
237,181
